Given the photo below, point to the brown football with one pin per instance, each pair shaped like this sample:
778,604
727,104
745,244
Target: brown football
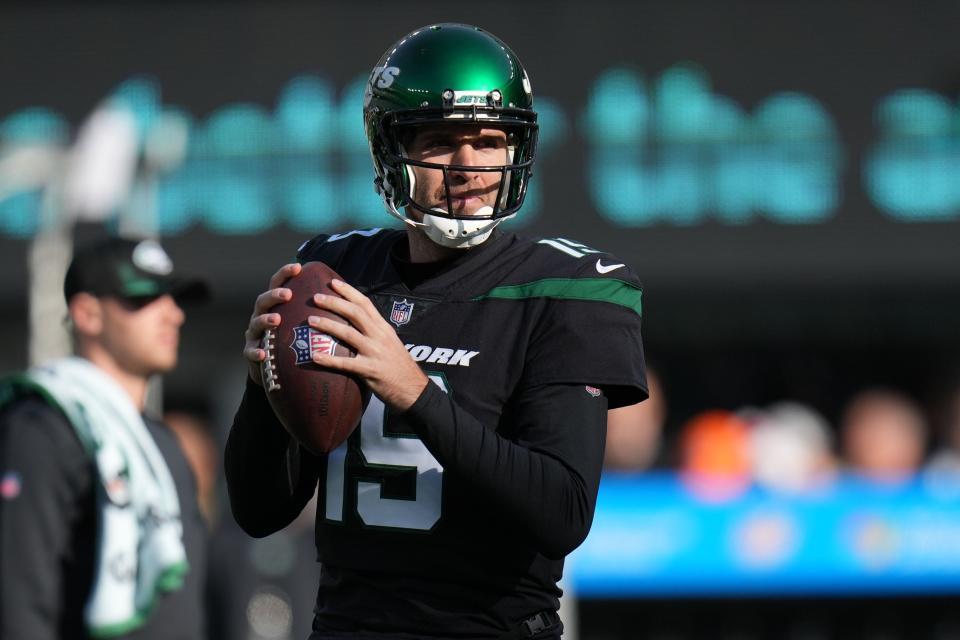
318,406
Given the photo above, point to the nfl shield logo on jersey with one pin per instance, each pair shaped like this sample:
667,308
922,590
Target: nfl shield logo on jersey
401,312
308,341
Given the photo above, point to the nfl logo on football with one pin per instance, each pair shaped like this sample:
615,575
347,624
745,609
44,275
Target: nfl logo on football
321,343
308,341
401,312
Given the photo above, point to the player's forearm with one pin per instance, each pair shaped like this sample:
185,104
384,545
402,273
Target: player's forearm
255,465
552,500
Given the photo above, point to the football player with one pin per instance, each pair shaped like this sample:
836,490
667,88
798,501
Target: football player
492,359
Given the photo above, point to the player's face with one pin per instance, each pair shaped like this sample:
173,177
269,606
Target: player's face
466,145
143,340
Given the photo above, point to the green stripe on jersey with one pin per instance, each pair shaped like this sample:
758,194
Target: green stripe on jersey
599,289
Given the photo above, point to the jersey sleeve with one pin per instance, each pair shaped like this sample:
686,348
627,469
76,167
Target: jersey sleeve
269,478
309,249
544,472
46,476
590,334
335,250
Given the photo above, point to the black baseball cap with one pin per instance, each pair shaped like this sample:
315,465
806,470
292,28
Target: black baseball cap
137,270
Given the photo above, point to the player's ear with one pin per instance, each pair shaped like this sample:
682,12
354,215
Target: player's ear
86,314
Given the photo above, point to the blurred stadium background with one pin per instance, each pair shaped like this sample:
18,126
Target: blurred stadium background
783,175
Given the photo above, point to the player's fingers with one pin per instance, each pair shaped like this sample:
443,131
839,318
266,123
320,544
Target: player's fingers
352,294
359,366
346,309
254,354
268,299
338,363
284,273
342,332
259,324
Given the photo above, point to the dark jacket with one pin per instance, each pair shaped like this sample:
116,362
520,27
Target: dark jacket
48,531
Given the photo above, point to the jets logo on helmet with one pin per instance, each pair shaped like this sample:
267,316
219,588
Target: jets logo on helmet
470,97
449,74
383,76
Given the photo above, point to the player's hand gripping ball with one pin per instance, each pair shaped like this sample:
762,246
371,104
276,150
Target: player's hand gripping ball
319,407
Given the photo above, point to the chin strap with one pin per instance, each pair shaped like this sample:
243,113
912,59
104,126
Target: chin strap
460,234
447,232
450,232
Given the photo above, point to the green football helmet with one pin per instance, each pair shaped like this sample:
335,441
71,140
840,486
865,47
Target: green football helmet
449,74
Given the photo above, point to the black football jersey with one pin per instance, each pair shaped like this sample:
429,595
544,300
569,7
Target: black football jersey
411,538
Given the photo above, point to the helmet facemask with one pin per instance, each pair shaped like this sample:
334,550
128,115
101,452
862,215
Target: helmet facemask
449,75
441,221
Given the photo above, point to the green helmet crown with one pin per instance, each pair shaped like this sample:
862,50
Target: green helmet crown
449,74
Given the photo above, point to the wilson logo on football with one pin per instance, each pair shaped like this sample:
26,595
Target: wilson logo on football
307,341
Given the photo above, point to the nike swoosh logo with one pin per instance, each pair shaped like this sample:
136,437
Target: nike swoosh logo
607,268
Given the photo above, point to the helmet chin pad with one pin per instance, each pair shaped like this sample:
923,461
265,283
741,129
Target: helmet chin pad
459,234
450,232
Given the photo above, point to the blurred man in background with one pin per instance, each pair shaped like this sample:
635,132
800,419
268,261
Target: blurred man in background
791,448
194,435
635,432
714,452
884,435
100,531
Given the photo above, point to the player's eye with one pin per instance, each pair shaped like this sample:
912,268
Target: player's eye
437,142
490,142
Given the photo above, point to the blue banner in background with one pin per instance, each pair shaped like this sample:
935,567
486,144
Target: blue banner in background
655,535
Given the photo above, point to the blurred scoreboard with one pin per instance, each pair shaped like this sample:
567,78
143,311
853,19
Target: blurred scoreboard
806,148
